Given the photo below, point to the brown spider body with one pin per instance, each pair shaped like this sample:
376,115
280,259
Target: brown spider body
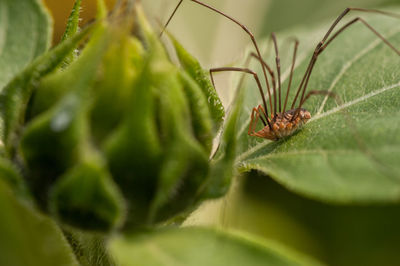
283,125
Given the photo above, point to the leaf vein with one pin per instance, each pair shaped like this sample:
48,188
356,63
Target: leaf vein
350,63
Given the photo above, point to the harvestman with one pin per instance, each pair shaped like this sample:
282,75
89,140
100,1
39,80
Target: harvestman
284,122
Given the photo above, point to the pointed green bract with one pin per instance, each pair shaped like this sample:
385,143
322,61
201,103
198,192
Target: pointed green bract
201,118
101,9
71,29
87,197
193,68
133,150
222,164
114,86
57,135
73,21
15,96
77,78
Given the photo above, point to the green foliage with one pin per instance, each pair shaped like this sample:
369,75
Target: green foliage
346,153
365,235
25,34
284,14
27,237
200,246
115,141
72,28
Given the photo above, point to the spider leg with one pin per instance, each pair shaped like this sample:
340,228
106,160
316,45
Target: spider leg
326,41
322,92
278,71
254,120
248,71
270,71
248,32
169,19
296,44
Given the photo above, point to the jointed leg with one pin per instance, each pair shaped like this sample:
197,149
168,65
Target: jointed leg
296,44
322,92
169,19
254,120
325,42
269,69
239,24
245,70
278,70
254,55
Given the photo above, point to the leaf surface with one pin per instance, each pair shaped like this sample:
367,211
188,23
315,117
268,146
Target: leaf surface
25,33
346,153
200,246
27,238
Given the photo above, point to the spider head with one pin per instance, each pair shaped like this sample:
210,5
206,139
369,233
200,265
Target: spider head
304,115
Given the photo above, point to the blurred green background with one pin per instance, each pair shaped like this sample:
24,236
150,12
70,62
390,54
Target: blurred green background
337,235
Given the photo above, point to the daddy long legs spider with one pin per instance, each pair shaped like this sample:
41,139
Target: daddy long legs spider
278,121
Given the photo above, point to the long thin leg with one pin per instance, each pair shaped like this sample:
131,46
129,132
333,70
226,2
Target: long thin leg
269,69
335,35
245,70
253,123
278,70
169,19
325,41
322,92
296,44
244,28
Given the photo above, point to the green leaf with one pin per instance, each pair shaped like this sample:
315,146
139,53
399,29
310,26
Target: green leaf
27,238
201,246
194,69
347,153
280,15
25,33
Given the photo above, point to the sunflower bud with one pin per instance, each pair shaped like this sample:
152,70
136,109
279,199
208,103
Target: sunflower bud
121,137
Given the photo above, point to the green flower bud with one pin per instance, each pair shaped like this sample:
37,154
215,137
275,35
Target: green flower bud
121,137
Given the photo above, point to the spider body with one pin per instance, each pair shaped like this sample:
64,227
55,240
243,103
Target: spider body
282,125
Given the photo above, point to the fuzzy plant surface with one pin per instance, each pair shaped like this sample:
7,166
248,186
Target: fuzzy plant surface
107,143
